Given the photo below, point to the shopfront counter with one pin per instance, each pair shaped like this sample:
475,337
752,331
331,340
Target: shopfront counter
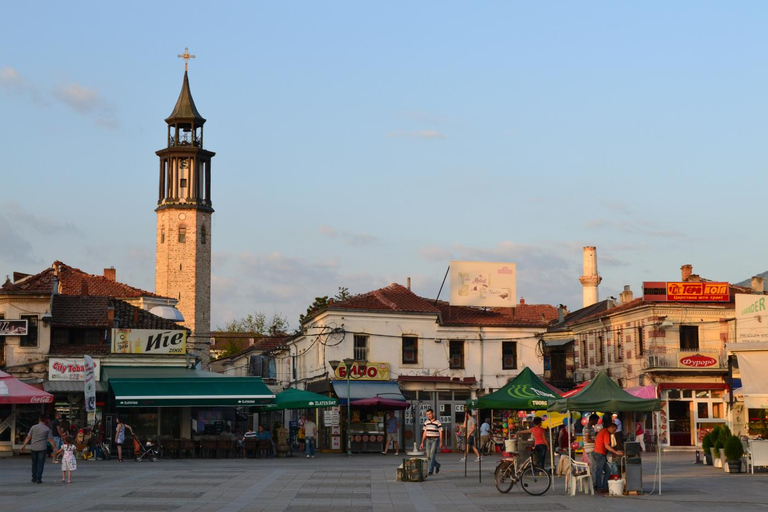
368,437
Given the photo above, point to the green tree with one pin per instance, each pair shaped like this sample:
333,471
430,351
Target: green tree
258,324
323,302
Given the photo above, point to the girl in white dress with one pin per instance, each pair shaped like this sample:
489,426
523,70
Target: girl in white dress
68,460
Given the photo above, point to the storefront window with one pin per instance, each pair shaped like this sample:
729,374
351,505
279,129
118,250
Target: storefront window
703,409
212,422
717,393
687,393
718,410
5,412
673,394
702,394
758,422
170,423
143,422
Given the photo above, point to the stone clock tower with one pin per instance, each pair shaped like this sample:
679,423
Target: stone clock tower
184,210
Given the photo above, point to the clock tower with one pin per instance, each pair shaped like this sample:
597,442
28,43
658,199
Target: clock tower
184,210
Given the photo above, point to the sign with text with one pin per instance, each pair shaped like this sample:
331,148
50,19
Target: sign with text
751,317
71,369
13,327
483,284
686,291
148,341
90,384
698,359
362,371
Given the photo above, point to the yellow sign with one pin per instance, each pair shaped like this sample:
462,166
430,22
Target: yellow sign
362,371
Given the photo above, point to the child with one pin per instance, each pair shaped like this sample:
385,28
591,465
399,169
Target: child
68,459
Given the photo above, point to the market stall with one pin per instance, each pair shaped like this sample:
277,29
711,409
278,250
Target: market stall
20,405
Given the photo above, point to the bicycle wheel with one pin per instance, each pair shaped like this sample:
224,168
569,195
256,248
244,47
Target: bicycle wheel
502,477
535,480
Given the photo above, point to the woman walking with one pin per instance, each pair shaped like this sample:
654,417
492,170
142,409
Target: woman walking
120,437
68,459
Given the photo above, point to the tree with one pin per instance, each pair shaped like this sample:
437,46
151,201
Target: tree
257,323
323,302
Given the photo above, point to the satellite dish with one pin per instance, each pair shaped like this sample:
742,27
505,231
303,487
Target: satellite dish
167,312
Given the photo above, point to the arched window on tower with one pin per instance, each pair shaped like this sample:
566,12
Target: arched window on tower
182,234
162,235
203,235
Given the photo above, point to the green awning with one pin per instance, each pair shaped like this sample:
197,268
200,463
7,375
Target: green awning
182,387
525,392
300,399
603,394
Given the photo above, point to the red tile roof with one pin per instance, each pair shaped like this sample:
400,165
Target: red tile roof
397,298
71,282
82,312
639,302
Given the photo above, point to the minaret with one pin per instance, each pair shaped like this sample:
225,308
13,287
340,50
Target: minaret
591,279
183,257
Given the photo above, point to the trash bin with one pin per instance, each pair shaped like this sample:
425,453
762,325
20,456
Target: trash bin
510,445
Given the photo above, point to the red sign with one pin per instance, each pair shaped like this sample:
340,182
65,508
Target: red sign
363,371
687,291
698,361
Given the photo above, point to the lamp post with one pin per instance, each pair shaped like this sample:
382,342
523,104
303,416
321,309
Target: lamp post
348,364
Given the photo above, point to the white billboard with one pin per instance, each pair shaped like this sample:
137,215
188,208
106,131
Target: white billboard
751,317
60,368
483,283
148,341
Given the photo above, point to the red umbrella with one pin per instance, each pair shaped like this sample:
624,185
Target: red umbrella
377,401
13,391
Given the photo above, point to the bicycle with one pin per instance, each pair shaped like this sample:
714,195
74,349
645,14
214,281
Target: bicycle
533,479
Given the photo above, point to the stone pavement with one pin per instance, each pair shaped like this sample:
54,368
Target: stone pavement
356,484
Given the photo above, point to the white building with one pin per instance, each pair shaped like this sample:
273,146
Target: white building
437,355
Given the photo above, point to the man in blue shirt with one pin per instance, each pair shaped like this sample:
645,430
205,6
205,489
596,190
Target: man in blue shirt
485,433
393,429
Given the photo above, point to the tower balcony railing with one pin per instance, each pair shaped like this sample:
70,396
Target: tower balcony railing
703,360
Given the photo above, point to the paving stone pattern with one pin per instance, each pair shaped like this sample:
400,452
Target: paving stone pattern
361,483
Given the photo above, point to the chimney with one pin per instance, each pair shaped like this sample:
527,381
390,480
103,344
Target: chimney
522,301
110,273
409,283
561,313
758,284
591,279
626,295
686,271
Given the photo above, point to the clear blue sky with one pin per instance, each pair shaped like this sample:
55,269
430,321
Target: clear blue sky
359,143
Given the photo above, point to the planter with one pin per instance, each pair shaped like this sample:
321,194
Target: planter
722,454
708,458
734,466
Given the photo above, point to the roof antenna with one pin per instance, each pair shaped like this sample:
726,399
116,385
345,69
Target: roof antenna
442,284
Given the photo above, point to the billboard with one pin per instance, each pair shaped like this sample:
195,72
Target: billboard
483,284
13,327
60,368
700,291
751,317
149,341
362,371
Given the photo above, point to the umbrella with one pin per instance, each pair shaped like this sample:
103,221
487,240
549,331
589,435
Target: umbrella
13,391
300,399
377,401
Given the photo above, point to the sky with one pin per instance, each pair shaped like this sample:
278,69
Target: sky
361,143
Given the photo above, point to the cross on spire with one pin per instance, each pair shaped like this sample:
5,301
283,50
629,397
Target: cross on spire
186,56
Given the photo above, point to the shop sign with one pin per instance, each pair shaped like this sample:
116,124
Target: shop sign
335,443
686,291
13,327
148,341
70,369
362,371
331,417
697,359
751,324
90,384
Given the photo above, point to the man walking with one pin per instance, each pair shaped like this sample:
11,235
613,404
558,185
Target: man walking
470,425
38,438
310,430
57,434
393,430
599,456
433,435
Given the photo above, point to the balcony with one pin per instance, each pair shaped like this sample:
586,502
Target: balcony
700,361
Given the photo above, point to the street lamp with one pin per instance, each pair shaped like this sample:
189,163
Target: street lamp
348,362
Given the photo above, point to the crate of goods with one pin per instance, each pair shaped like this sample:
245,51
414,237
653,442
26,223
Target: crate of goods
413,470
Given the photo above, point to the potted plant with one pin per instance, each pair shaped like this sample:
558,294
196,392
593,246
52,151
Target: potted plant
717,459
733,453
706,446
723,436
714,435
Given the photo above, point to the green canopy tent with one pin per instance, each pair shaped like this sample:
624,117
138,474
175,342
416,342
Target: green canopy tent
525,392
300,399
603,394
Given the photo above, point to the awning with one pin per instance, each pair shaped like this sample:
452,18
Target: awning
13,391
71,386
557,343
364,389
182,387
754,380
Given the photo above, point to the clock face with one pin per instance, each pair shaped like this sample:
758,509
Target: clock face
184,163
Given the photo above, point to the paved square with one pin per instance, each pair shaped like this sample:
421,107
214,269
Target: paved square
361,483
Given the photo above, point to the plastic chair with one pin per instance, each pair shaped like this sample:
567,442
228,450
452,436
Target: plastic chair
580,476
